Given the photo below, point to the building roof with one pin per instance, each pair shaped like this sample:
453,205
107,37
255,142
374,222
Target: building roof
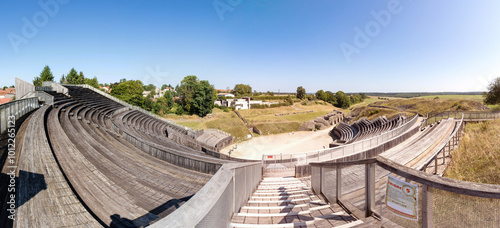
3,92
225,94
5,100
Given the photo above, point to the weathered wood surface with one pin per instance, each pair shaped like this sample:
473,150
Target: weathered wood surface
47,200
138,187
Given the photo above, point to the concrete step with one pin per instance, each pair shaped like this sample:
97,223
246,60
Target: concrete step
281,192
301,224
283,207
288,202
282,196
285,214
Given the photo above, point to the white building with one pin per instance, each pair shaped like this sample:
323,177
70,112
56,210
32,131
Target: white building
239,104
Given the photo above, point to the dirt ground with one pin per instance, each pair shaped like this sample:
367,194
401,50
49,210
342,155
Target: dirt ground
286,143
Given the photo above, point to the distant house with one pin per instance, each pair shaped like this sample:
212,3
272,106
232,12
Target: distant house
161,93
238,104
227,95
7,94
5,100
224,90
146,93
105,88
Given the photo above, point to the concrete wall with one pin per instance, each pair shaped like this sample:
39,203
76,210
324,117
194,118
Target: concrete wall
22,88
214,204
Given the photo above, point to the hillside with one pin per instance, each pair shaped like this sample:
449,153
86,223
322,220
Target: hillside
269,121
411,106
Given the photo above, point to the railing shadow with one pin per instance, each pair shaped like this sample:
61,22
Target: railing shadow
154,214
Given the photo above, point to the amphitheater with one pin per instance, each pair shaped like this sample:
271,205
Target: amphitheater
82,158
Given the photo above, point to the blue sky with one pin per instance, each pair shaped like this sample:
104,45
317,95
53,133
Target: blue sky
272,45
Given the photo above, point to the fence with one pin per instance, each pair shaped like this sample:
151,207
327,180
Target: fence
361,187
447,146
12,111
290,160
214,204
467,115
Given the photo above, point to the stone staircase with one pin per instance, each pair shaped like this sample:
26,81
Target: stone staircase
289,202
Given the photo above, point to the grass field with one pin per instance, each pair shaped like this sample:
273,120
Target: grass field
264,119
478,157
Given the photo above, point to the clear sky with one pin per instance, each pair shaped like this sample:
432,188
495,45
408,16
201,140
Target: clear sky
349,45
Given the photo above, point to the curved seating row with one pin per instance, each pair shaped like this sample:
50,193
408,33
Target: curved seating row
364,128
137,124
121,184
344,132
45,198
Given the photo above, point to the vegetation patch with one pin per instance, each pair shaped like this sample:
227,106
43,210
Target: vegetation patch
230,123
424,106
478,157
278,127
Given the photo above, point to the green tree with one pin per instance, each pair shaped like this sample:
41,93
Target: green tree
196,97
129,91
81,78
301,92
269,93
493,95
72,77
169,99
149,87
241,90
363,96
45,75
151,94
5,87
63,80
289,100
330,97
92,82
321,95
343,100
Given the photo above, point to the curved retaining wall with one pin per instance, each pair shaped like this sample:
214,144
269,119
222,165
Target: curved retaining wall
305,170
336,152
